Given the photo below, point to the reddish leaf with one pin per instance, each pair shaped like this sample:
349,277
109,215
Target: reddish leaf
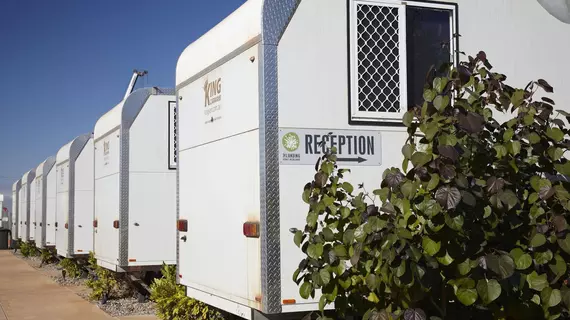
544,85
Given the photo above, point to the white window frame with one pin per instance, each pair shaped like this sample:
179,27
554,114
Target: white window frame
373,116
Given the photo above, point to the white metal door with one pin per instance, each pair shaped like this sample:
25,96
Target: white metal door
39,207
62,208
51,193
83,193
32,229
107,197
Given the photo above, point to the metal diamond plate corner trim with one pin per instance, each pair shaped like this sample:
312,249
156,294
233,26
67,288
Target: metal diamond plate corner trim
276,16
124,198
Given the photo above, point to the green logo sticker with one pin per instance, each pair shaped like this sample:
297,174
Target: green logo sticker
291,141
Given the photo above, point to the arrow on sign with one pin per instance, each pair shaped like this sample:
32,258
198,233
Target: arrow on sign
359,159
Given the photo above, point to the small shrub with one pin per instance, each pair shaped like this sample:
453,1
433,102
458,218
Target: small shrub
28,249
102,283
47,256
477,228
71,268
172,302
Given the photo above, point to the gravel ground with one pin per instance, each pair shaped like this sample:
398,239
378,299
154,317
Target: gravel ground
127,307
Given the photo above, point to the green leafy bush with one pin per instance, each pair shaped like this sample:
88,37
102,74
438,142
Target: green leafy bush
47,256
27,249
102,283
71,268
172,302
477,228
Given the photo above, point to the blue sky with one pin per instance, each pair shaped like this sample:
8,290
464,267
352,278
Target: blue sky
64,63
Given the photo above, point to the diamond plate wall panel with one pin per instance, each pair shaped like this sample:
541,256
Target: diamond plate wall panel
124,198
131,109
276,16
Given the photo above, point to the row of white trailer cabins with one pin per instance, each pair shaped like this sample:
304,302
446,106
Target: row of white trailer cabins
209,176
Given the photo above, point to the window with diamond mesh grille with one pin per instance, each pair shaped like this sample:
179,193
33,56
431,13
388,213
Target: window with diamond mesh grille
378,56
173,134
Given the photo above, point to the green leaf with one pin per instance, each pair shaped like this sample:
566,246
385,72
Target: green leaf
455,223
543,257
537,282
464,267
298,238
340,251
344,212
447,140
517,98
439,84
488,290
563,168
522,260
528,119
508,135
360,234
322,303
429,95
372,297
431,247
565,295
532,198
347,187
372,282
555,153
312,218
555,134
408,189
408,119
561,193
441,102
535,299
445,260
305,290
502,265
466,296
501,151
514,147
382,193
535,183
315,251
433,182
325,276
565,243
419,159
328,234
348,236
538,240
407,151
558,266
534,138
550,297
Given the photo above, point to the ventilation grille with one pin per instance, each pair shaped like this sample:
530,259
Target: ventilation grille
378,55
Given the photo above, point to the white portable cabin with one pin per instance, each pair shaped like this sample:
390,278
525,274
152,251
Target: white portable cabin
40,184
24,205
260,91
135,183
32,209
74,206
15,227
